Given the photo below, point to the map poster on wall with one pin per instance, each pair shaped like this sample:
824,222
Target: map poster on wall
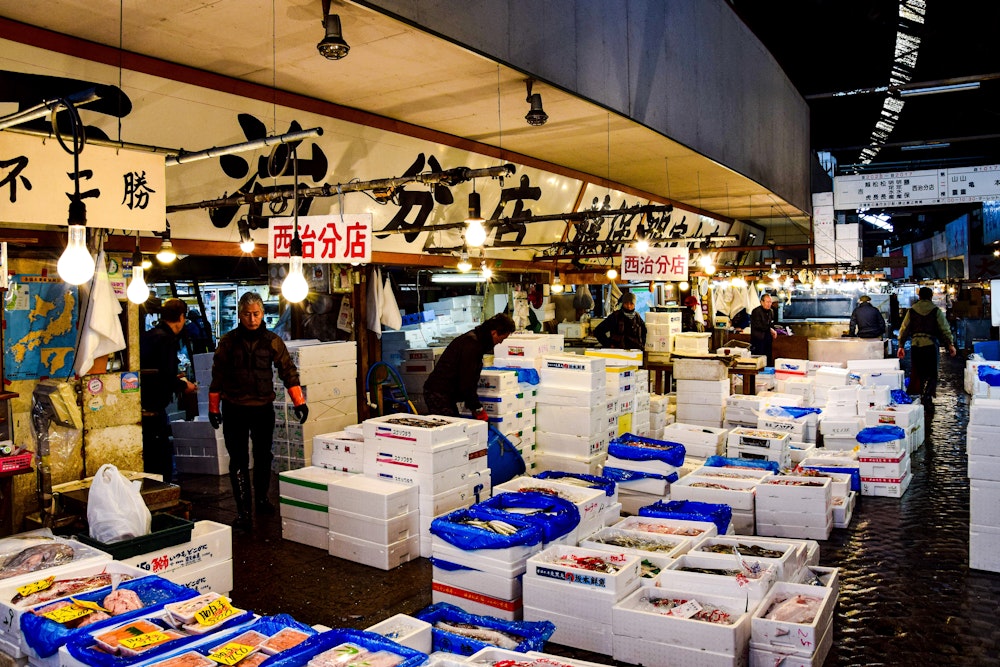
40,333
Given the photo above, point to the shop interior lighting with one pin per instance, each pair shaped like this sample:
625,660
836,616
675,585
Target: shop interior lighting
935,90
486,271
557,286
738,282
536,116
612,273
138,290
458,278
475,232
684,286
295,288
76,264
166,253
464,265
332,46
641,244
247,244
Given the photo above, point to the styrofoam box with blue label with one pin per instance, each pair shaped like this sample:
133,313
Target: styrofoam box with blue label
377,498
421,430
554,565
738,494
310,484
791,367
429,483
633,617
753,587
339,450
800,637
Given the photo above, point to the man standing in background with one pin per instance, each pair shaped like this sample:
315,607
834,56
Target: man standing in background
866,320
925,326
622,329
762,333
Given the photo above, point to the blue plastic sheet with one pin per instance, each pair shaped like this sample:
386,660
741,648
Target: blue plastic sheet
469,538
554,515
45,636
690,510
855,474
84,649
524,375
534,633
603,483
637,448
881,433
900,397
790,411
989,375
726,462
623,475
504,460
265,625
300,655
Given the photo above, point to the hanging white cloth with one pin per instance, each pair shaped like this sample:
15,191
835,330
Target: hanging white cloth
753,298
391,317
375,302
102,331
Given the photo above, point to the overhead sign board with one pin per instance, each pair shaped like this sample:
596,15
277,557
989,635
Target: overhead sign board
659,264
959,185
326,239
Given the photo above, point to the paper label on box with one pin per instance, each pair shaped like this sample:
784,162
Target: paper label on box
35,586
147,639
686,610
230,653
87,604
572,577
214,612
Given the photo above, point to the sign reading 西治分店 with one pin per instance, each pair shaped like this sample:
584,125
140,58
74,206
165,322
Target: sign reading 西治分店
122,189
326,239
661,264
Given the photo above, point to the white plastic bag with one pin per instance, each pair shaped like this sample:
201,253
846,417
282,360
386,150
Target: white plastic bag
115,509
391,317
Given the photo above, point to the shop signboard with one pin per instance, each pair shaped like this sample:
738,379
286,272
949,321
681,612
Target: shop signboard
326,239
122,189
657,264
958,185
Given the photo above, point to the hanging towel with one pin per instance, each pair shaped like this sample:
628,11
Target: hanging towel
102,332
375,302
753,298
391,317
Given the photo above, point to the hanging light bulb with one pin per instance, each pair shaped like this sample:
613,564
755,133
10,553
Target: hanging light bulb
612,273
138,290
76,264
557,286
464,265
246,241
475,233
641,244
166,253
739,282
709,269
774,275
147,263
684,286
294,288
486,271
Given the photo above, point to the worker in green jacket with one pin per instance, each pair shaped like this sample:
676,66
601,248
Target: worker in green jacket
926,327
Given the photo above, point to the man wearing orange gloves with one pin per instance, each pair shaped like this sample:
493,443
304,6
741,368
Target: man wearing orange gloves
242,390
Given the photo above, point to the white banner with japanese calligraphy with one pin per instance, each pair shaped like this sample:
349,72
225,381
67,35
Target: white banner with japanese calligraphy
660,264
326,239
122,189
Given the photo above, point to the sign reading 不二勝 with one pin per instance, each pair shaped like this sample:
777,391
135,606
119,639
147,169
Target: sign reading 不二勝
660,264
326,239
121,188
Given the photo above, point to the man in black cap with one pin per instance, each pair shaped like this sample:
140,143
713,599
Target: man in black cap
866,320
622,329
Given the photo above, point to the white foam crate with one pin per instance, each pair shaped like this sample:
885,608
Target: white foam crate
478,581
476,603
785,566
572,630
422,431
750,588
406,630
883,466
726,472
668,546
638,651
381,556
591,503
509,562
427,460
306,533
738,494
805,494
310,484
664,526
379,499
885,486
544,566
763,655
758,438
381,531
801,638
795,531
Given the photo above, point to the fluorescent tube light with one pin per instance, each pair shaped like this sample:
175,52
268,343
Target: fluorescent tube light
934,90
458,278
927,146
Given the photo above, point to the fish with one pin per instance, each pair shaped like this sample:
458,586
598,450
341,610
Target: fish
122,601
488,635
36,558
62,587
93,617
282,640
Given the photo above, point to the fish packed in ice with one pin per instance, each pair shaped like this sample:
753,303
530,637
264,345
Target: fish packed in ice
352,655
591,563
666,529
795,609
417,422
749,550
792,482
719,485
487,635
648,569
494,525
690,609
37,557
632,541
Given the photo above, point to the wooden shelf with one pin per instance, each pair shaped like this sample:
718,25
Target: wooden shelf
7,395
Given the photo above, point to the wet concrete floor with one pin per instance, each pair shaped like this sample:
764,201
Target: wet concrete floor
907,595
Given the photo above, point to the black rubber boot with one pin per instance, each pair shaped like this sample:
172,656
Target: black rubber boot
261,484
240,480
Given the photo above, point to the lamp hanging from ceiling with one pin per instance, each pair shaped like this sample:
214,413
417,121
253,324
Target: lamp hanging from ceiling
166,253
76,264
295,288
557,286
641,244
475,232
138,290
332,46
464,265
536,116
247,244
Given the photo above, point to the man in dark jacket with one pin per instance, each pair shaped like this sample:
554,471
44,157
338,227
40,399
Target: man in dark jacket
455,378
866,320
762,333
622,329
925,326
242,390
158,350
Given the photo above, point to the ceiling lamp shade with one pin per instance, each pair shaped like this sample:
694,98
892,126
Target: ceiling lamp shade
536,116
332,46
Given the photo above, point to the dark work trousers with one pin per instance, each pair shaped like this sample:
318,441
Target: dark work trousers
439,404
256,423
157,447
923,370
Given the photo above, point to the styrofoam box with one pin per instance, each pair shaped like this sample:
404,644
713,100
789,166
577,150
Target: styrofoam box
796,531
872,364
476,603
299,510
590,465
210,542
421,430
406,630
695,414
377,498
508,561
544,566
495,382
306,533
310,484
631,619
426,460
575,363
579,420
791,366
984,547
431,483
982,441
780,456
883,466
714,473
885,486
381,556
572,630
903,416
876,396
984,502
664,526
984,412
799,451
216,576
793,517
758,439
702,386
381,531
804,494
843,509
338,451
799,637
738,494
752,589
479,581
763,655
785,567
590,502
568,599
344,373
571,445
432,506
640,651
646,489
838,426
984,467
312,352
524,346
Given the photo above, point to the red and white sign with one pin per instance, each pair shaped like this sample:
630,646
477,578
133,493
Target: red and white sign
660,264
326,239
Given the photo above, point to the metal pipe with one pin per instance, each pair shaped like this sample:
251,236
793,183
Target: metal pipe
182,158
47,107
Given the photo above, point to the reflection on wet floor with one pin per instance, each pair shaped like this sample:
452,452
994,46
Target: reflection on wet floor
907,595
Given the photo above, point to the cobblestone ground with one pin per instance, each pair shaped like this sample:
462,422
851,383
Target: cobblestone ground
907,595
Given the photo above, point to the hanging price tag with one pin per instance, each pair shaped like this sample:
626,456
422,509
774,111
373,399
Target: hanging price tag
35,586
214,612
230,653
87,604
686,610
67,614
147,639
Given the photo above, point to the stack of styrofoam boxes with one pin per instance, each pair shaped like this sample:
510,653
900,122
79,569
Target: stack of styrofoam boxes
524,350
790,369
784,642
984,481
737,493
199,448
394,343
801,429
328,373
909,417
743,410
826,375
876,372
660,331
744,521
793,506
501,395
304,496
884,466
759,445
690,342
592,504
700,442
203,375
624,386
341,450
702,391
641,419
528,438
975,386
659,418
571,414
652,483
841,421
842,466
373,521
415,368
578,600
444,457
205,563
456,315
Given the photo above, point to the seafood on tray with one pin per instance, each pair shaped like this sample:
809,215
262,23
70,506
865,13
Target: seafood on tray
488,635
352,655
60,588
36,557
692,609
795,609
589,563
634,541
748,550
78,615
494,525
666,529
